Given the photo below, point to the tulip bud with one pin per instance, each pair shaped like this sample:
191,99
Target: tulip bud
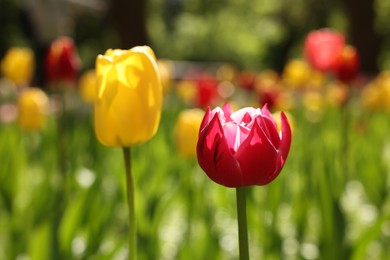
187,130
32,105
243,148
18,65
127,110
62,62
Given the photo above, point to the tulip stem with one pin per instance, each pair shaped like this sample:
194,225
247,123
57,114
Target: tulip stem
130,204
242,225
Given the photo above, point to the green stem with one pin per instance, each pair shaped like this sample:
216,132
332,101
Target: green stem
130,204
242,226
61,185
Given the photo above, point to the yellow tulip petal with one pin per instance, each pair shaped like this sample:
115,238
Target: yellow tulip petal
128,109
138,107
144,48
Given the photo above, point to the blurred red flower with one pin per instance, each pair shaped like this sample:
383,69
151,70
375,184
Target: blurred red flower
269,97
62,62
322,48
347,65
207,90
246,80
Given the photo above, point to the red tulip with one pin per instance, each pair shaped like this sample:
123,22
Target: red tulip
322,48
347,64
62,61
242,148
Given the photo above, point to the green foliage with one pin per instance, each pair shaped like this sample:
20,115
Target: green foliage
331,200
252,34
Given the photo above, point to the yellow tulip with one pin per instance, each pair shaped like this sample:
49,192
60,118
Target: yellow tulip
129,96
187,130
88,86
18,65
32,105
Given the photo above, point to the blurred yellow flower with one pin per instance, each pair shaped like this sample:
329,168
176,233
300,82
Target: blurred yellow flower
129,98
296,73
226,72
166,70
337,93
385,94
313,101
266,80
187,131
187,91
18,65
32,106
278,120
285,101
371,97
376,94
316,80
88,86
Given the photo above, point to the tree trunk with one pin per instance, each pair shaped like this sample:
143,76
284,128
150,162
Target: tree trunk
361,15
129,19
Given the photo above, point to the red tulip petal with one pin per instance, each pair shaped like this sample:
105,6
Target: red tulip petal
230,130
270,129
206,120
246,119
284,147
257,157
227,111
239,115
285,142
266,113
214,156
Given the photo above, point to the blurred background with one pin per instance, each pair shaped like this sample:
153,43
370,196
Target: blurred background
253,34
62,194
